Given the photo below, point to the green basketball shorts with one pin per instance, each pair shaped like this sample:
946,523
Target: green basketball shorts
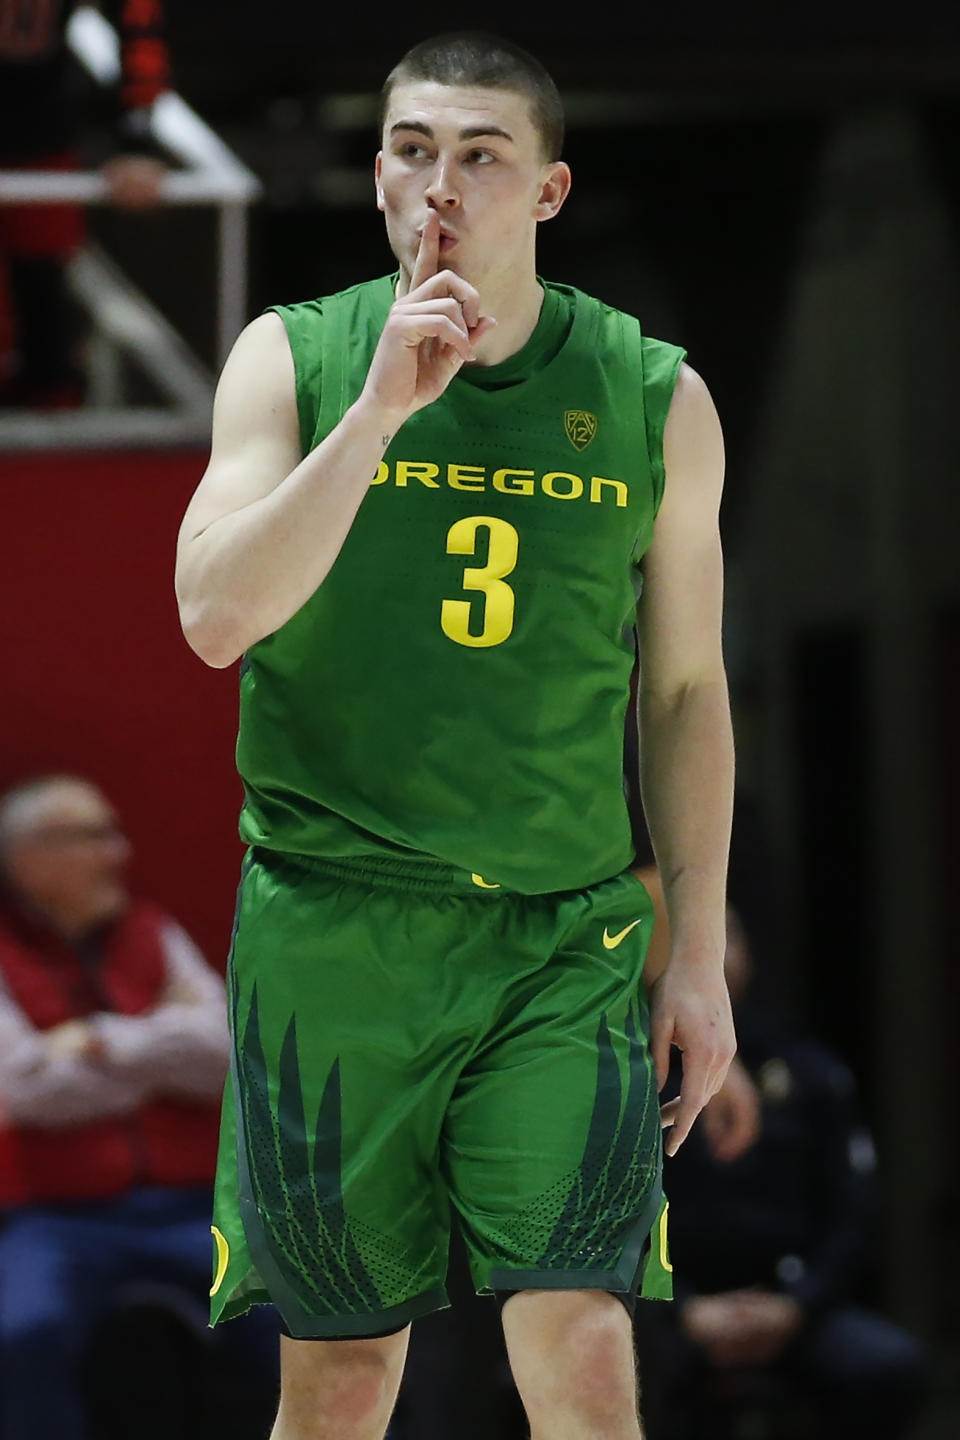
403,1042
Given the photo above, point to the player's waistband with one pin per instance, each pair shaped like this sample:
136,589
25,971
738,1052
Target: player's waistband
426,876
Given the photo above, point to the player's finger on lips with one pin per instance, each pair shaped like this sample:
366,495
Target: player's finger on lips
428,252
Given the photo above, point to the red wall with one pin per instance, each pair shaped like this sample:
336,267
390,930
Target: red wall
97,678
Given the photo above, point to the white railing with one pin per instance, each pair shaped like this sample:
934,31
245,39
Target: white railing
212,175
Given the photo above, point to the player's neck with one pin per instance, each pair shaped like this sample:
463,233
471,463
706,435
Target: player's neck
516,308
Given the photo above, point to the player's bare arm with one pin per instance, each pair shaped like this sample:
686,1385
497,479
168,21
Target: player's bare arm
265,526
686,760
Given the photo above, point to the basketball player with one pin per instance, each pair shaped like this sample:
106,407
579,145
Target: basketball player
422,528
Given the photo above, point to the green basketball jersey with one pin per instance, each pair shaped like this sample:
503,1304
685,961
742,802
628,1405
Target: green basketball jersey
455,692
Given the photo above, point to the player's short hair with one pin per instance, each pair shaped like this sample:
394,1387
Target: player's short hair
472,57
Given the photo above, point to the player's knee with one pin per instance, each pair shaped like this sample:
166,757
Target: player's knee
580,1356
356,1389
344,1383
597,1361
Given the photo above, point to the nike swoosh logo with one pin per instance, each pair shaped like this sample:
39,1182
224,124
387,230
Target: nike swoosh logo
612,941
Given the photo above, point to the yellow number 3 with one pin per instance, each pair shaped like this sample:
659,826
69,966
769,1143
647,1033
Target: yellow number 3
499,599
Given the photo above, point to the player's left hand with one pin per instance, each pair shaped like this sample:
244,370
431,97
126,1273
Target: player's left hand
690,1008
135,181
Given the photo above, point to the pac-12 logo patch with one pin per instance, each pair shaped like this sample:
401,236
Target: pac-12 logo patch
580,426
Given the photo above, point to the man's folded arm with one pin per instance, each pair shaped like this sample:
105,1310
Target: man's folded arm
182,1046
40,1087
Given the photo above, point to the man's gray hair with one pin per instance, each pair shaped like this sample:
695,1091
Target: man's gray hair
22,807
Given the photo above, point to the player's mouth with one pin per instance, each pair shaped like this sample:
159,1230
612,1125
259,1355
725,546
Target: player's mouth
447,239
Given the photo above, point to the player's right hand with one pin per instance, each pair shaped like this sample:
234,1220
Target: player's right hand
430,332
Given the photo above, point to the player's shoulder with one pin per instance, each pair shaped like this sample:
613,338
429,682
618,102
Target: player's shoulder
606,309
312,310
622,336
260,353
690,390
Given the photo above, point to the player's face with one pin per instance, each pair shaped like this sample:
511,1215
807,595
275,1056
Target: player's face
474,156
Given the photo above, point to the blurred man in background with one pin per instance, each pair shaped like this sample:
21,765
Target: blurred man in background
113,1049
768,1249
38,123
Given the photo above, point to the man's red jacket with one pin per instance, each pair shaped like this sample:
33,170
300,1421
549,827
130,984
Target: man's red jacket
169,1140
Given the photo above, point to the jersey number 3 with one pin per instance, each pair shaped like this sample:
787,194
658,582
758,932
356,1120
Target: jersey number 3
498,598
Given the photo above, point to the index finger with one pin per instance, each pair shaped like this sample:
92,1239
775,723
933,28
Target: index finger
428,255
693,1097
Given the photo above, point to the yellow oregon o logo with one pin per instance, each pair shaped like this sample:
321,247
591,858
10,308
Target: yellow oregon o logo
664,1254
223,1258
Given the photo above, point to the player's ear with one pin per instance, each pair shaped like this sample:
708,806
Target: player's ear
554,188
377,169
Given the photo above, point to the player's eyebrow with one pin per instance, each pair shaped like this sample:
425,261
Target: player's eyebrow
472,132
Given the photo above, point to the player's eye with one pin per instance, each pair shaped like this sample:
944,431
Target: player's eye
410,150
480,157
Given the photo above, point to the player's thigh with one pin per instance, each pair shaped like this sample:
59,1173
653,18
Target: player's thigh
344,1057
334,1037
552,1143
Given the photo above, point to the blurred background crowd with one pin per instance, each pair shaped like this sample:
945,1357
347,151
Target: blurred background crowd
778,190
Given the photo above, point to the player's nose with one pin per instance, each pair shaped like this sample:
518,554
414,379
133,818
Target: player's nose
441,190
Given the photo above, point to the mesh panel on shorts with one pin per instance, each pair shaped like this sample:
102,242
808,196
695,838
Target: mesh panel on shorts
582,1221
387,1263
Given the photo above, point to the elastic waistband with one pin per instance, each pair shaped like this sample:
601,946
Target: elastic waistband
426,876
